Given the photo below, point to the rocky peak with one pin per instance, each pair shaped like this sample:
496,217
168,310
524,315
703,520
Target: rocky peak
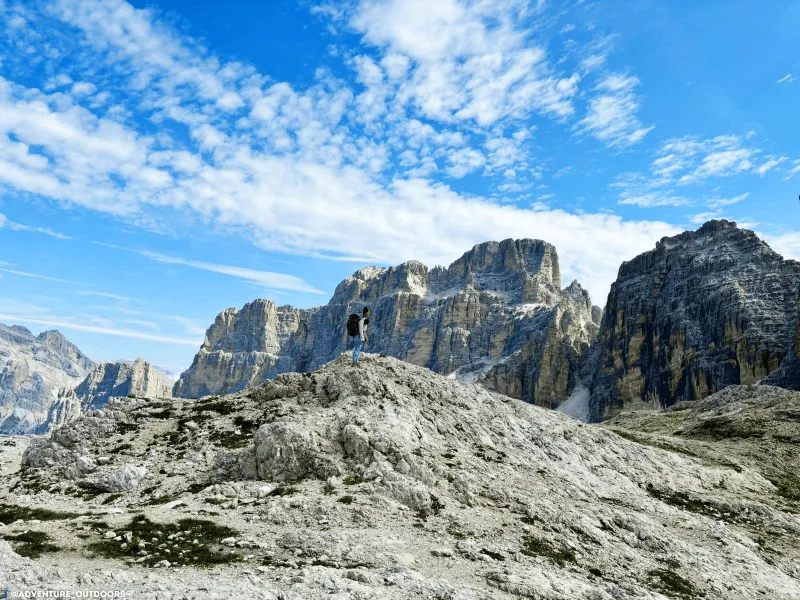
526,269
464,320
705,309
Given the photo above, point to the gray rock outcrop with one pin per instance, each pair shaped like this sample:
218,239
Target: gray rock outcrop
706,309
391,482
32,371
498,315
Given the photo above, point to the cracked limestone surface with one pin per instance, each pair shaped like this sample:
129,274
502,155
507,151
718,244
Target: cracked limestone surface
390,481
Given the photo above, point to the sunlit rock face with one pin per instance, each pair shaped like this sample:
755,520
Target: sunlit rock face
32,371
497,314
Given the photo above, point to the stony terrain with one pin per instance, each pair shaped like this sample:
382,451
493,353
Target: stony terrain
32,371
498,314
390,481
106,381
706,309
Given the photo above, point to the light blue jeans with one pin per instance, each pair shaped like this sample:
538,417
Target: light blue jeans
357,345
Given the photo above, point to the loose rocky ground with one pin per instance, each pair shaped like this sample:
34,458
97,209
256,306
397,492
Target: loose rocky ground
389,481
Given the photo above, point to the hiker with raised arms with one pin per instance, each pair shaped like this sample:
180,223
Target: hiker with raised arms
357,329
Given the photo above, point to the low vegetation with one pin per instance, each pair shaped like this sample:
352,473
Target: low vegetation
11,512
31,543
194,542
534,546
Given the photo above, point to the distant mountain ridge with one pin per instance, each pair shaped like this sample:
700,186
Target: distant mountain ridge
46,380
106,381
496,315
32,371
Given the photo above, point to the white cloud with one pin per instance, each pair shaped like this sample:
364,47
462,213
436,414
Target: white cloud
287,167
264,278
786,244
722,202
37,276
701,218
794,171
103,295
83,88
648,199
464,61
67,323
770,164
612,113
788,78
5,222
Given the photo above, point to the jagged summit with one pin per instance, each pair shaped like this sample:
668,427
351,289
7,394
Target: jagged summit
705,309
344,479
497,314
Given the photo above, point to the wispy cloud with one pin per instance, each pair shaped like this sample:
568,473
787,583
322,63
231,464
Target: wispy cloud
265,278
612,116
722,202
770,164
14,226
794,171
788,78
37,276
103,295
64,323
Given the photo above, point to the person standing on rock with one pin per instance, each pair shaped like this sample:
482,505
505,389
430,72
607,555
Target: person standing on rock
357,327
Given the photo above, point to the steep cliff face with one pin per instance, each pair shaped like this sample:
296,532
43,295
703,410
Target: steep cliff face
497,314
106,381
706,309
32,370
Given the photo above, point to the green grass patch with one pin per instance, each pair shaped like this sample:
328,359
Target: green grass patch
346,499
112,498
788,486
673,585
685,502
31,543
222,407
534,546
179,550
123,427
628,435
11,512
353,480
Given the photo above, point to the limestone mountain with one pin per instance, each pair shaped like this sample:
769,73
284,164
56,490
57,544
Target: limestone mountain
704,310
107,380
32,371
393,482
497,314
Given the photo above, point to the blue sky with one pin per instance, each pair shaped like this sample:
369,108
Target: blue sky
161,161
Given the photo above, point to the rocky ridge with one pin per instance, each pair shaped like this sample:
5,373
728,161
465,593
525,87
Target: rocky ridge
32,371
389,481
498,315
704,310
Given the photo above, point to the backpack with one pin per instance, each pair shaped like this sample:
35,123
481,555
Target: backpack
352,325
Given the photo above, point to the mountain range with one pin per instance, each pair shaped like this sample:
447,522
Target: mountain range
46,381
704,310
